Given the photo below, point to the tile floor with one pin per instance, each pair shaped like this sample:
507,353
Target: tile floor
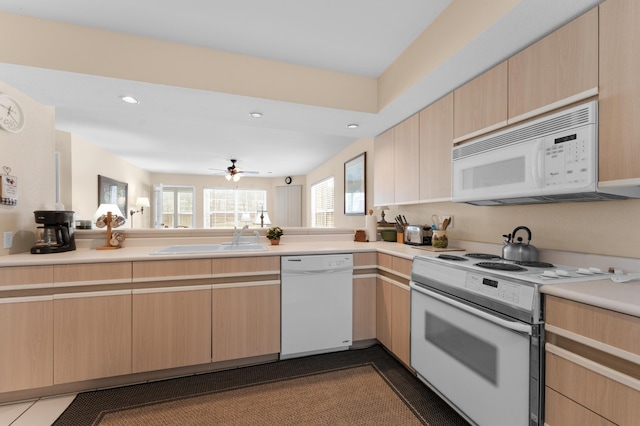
39,412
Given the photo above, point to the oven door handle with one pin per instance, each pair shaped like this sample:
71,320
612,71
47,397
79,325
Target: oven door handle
511,325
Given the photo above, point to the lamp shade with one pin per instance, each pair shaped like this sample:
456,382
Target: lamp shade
246,217
143,202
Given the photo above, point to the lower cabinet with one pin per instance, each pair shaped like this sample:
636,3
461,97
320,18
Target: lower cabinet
92,335
364,308
592,365
171,327
393,316
26,343
245,321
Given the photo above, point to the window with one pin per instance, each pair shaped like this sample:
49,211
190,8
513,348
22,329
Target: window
177,206
322,204
225,208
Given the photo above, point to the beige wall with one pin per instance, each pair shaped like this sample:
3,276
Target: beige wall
335,168
87,162
30,155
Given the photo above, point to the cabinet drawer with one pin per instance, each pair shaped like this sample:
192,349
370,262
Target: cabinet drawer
365,259
610,394
609,327
164,270
243,265
92,273
560,410
24,277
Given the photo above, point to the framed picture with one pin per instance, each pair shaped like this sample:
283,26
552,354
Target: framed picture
111,191
355,200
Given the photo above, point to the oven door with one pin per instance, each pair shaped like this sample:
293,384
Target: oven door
479,362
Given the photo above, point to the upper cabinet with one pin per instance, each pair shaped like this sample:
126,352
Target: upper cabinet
436,134
384,168
619,108
481,104
407,160
560,68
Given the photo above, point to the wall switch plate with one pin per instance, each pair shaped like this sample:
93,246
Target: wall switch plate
8,239
450,217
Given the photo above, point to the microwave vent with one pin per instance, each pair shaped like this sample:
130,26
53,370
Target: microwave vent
539,128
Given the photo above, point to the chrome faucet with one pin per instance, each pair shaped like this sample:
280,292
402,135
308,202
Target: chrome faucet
237,235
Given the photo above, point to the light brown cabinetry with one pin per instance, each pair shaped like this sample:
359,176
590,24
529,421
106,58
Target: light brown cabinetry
407,160
92,335
245,321
26,342
436,136
619,99
481,104
364,296
384,167
92,329
393,313
171,327
592,364
171,314
246,307
561,66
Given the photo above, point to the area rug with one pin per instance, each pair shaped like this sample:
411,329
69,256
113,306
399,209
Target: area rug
358,387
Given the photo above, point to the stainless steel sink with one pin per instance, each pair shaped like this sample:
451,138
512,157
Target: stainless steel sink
210,248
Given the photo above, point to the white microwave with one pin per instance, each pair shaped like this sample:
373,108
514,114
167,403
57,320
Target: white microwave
553,159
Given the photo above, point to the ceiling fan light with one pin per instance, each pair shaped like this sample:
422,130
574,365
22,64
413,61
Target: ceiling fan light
228,177
236,177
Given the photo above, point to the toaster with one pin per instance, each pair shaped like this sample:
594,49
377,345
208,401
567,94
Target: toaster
417,235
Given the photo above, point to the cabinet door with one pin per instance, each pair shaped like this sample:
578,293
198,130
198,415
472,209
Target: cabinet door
245,321
383,312
561,66
436,139
364,308
92,335
26,348
407,160
171,327
384,168
619,106
481,104
400,322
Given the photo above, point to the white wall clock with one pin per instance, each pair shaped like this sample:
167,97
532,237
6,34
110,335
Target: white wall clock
11,115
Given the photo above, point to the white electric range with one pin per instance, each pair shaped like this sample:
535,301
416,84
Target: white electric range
477,332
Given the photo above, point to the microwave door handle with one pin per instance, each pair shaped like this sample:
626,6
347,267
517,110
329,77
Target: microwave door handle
511,325
536,166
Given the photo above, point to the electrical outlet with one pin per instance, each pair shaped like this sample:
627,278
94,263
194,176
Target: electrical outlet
8,239
450,217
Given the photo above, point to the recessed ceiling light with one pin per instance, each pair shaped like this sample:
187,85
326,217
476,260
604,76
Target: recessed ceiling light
255,114
129,99
352,126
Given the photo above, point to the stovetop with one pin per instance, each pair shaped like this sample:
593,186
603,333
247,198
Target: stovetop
534,272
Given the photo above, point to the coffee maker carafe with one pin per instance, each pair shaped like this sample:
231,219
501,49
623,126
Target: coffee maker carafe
56,233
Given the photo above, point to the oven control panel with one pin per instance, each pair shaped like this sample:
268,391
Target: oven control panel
512,293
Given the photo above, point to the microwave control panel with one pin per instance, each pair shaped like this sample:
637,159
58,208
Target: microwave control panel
569,159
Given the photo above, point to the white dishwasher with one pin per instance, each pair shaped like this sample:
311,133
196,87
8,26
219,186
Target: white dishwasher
317,304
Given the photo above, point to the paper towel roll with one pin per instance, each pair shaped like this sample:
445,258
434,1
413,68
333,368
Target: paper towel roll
371,224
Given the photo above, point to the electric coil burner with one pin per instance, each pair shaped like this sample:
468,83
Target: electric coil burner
452,257
534,264
500,266
483,256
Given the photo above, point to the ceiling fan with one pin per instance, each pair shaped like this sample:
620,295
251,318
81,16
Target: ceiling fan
233,172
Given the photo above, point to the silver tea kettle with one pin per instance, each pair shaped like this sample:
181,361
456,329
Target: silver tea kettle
519,251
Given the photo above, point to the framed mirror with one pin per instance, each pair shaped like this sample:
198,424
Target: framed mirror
355,200
111,191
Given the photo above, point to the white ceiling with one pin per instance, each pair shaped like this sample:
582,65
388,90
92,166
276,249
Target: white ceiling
205,129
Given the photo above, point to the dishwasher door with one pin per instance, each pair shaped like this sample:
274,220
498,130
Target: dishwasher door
317,304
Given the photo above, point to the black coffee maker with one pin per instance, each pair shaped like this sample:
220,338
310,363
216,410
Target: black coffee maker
56,233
